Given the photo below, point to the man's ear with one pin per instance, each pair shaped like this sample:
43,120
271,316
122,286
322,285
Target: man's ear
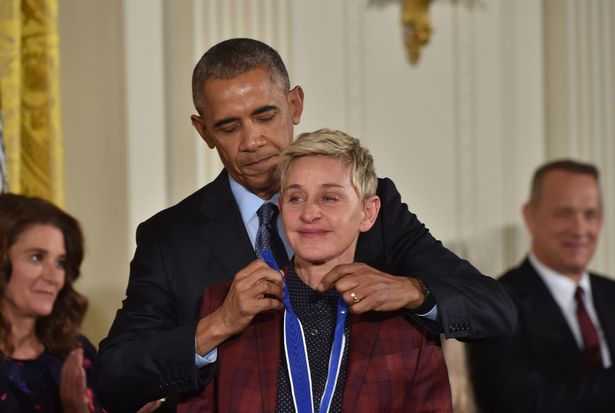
528,216
370,210
295,101
199,124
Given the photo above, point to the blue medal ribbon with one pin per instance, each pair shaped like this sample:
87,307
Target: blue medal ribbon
296,353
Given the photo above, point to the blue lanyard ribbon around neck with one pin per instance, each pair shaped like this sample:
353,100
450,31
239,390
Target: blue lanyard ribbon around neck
296,353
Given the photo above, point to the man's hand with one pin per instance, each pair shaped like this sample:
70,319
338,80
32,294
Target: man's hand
73,384
365,289
255,289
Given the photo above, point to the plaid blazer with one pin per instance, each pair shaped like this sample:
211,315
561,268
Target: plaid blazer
393,366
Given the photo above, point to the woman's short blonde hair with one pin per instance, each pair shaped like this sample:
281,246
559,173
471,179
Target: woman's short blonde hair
338,145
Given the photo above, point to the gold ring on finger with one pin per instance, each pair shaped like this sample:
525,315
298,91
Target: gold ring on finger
354,297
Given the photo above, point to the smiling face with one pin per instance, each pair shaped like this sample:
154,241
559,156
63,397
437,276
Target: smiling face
249,119
37,272
321,211
565,221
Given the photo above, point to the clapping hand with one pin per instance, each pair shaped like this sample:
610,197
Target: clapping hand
73,394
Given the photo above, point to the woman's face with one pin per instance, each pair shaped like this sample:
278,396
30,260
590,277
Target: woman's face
321,211
38,260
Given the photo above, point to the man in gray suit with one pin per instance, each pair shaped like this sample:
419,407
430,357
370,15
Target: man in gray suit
560,359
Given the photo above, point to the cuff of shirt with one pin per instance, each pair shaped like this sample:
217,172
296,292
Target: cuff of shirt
207,359
431,314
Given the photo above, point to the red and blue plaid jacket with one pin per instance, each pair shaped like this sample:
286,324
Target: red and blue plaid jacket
393,366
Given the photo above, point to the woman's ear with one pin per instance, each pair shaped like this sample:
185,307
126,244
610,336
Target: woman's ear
371,207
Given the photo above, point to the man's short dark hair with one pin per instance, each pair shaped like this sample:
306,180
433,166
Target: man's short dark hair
234,57
567,165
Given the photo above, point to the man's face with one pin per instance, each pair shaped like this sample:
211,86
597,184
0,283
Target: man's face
249,119
321,211
565,222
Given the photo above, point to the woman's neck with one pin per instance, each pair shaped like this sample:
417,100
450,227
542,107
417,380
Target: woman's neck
26,345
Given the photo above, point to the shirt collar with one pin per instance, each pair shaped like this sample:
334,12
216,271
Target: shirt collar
247,202
559,284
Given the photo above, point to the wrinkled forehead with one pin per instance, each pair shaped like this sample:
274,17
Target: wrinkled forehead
318,170
562,188
253,89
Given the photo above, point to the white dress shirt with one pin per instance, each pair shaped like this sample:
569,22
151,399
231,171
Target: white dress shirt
563,289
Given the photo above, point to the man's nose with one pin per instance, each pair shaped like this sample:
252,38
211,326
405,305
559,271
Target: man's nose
580,224
252,137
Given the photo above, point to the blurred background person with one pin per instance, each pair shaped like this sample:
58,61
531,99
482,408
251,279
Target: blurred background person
45,364
560,359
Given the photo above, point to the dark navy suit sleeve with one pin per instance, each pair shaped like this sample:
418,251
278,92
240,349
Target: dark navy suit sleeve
147,353
541,368
471,306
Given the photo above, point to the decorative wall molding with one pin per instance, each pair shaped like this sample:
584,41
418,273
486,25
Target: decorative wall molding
354,65
145,120
581,94
464,120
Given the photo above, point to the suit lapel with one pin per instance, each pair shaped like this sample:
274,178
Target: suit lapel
268,346
603,299
223,230
363,336
547,320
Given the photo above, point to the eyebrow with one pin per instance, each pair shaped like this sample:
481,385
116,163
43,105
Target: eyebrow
257,112
327,186
40,250
332,186
35,250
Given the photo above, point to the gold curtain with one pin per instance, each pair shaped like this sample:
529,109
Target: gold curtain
30,97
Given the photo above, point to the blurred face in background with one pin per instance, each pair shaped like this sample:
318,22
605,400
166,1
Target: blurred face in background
565,221
38,259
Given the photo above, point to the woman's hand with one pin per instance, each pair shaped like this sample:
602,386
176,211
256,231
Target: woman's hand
73,384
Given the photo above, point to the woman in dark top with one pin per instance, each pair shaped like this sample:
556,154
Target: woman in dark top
45,365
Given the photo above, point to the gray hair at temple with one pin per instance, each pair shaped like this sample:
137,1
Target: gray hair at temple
567,165
335,144
234,57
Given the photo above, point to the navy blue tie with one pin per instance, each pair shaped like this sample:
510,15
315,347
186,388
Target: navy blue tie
267,237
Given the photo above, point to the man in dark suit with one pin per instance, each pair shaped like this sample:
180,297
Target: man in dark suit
560,359
246,112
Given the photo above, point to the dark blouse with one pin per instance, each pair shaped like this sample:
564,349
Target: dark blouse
34,385
317,313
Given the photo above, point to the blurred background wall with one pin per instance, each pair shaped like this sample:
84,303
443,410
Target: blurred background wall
502,86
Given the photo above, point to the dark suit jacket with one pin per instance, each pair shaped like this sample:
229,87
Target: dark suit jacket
541,368
200,242
393,366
